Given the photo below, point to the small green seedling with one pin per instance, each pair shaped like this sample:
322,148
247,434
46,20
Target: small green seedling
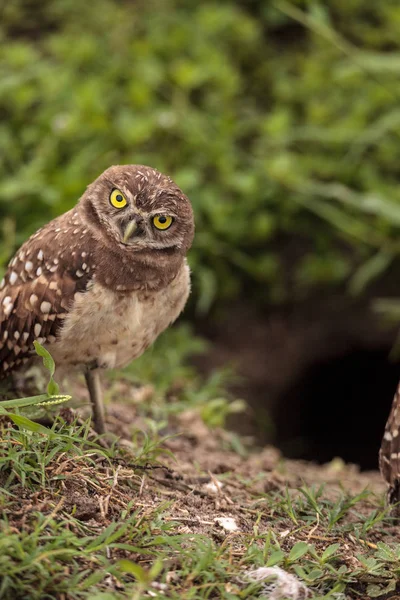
51,397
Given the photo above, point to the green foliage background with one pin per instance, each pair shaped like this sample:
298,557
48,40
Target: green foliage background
279,119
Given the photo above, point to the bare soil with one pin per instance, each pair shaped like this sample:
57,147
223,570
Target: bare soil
209,480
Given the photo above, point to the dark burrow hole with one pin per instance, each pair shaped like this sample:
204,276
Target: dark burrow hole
338,408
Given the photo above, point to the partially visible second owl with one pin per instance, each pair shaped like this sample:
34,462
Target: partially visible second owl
389,455
99,283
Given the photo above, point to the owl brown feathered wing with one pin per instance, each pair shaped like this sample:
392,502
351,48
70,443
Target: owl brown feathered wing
389,454
39,286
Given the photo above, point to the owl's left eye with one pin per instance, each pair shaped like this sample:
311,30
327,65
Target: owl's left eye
162,221
117,199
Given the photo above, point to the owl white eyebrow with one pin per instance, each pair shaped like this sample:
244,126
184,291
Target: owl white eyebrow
162,212
121,189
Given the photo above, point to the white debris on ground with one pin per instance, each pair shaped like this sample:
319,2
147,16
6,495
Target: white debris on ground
214,486
161,587
278,584
227,523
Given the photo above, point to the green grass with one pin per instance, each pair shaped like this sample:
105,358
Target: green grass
89,517
78,522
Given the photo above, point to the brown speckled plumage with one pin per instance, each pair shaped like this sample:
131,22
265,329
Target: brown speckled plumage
91,296
389,455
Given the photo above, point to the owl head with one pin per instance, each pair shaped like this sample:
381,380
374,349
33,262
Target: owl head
137,209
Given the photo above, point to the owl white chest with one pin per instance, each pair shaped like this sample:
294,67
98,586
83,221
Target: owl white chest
114,329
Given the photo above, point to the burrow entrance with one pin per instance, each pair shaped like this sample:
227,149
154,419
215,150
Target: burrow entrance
338,408
318,378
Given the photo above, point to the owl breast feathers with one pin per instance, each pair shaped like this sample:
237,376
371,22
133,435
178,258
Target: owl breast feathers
100,282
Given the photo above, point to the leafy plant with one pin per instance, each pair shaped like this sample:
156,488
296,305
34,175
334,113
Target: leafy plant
307,156
51,398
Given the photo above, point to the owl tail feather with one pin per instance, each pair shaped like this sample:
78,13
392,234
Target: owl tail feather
389,454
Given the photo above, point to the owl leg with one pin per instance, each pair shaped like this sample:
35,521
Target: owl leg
96,398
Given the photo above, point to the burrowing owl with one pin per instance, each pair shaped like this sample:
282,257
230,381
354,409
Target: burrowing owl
389,455
98,284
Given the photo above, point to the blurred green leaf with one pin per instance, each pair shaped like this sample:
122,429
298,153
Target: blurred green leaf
288,151
48,362
370,270
29,425
277,557
298,550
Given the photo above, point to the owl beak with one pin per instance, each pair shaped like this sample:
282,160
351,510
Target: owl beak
130,230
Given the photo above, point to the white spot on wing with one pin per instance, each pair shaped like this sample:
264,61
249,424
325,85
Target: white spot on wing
8,305
13,277
37,329
45,307
33,299
8,309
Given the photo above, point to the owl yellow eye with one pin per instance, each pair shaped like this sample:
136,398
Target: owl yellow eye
117,199
162,221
